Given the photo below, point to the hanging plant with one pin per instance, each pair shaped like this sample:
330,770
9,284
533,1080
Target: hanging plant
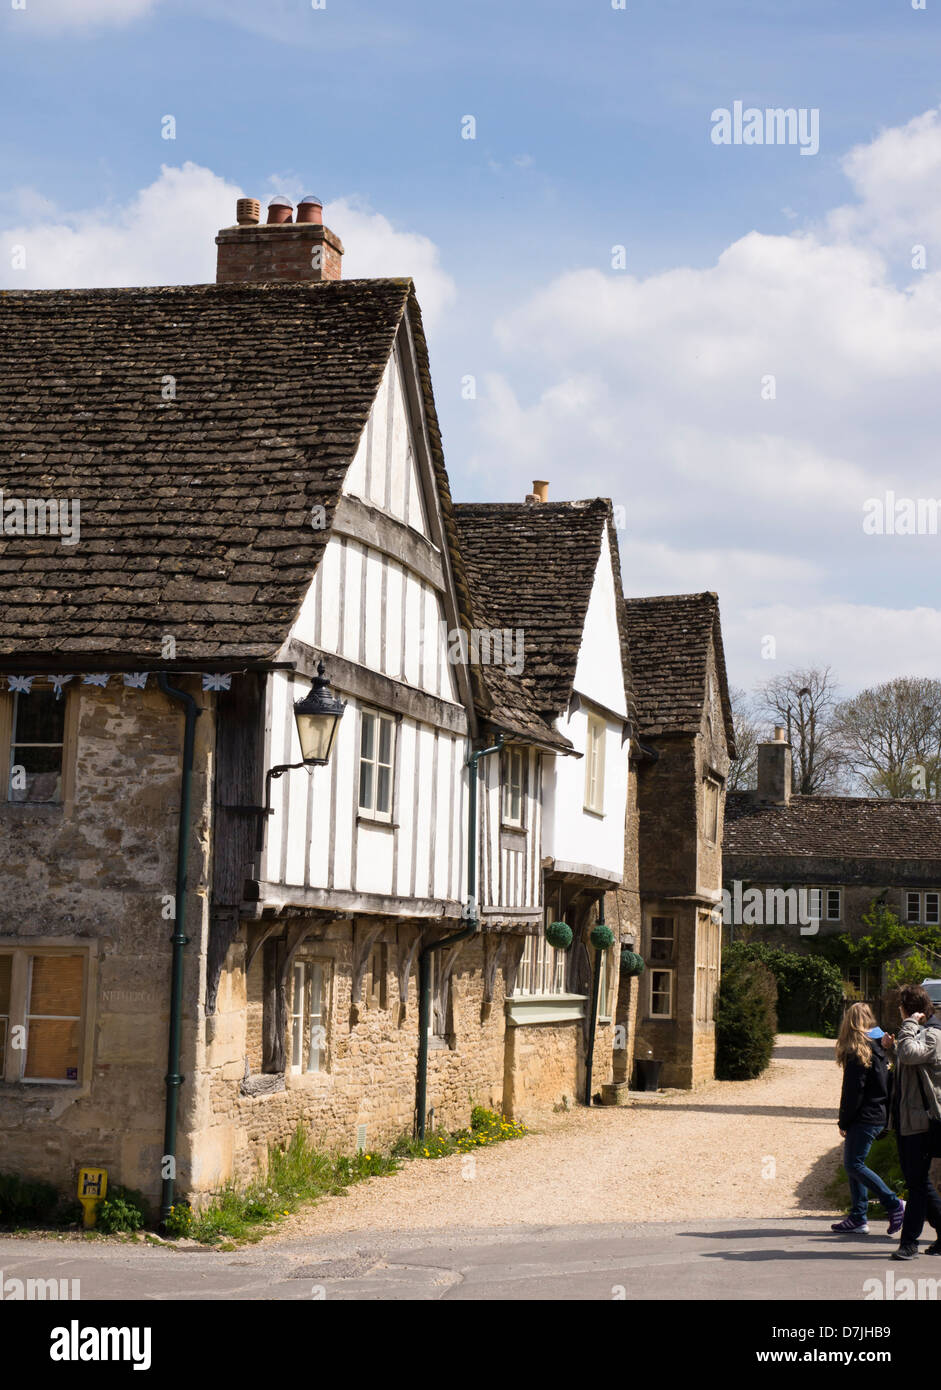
631,962
559,935
602,937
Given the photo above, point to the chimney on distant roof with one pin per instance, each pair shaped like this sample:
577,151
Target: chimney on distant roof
540,492
279,249
774,770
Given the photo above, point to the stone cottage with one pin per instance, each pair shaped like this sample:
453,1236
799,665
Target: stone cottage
686,742
217,928
797,868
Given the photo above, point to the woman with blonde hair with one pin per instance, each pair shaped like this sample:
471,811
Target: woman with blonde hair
863,1115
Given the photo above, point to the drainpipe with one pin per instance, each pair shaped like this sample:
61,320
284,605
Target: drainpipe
595,990
173,1078
424,958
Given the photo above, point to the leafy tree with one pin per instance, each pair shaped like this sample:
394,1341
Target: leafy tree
886,937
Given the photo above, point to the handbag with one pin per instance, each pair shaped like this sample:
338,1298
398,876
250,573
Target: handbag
934,1126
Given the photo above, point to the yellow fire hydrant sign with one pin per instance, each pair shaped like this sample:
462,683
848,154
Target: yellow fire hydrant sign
92,1187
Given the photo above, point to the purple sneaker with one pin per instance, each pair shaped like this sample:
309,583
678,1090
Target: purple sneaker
896,1219
851,1225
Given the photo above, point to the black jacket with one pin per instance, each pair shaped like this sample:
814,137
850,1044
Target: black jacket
864,1100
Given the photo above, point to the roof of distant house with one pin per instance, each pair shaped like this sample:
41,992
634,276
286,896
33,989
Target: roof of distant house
842,826
198,427
670,637
531,566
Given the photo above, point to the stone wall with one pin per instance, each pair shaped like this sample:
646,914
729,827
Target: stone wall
96,872
542,1068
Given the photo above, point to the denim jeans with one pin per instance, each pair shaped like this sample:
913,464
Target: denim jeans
923,1200
863,1180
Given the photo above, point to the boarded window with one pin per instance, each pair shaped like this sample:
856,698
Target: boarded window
54,1018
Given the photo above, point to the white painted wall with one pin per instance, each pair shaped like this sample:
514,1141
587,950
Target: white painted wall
572,834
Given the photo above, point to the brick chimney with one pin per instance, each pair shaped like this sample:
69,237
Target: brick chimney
774,770
281,249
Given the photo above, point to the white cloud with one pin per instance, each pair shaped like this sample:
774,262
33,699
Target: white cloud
53,16
165,235
750,407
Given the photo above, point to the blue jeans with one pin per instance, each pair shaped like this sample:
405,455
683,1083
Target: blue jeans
863,1180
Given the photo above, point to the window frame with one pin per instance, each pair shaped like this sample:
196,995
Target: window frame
372,812
540,964
921,896
512,754
671,973
8,702
838,915
654,935
596,738
22,953
301,1020
710,809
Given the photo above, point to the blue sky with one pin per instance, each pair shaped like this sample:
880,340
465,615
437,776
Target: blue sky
593,130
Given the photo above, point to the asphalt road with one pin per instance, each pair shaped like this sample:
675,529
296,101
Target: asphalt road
790,1259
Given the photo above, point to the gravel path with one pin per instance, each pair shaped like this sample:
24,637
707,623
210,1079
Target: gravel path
763,1148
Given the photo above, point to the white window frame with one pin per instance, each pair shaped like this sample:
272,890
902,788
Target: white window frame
309,982
595,748
541,971
514,785
371,809
815,904
921,900
604,990
21,983
670,973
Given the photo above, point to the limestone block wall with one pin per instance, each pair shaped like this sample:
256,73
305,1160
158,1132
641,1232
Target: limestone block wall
370,1067
94,873
542,1067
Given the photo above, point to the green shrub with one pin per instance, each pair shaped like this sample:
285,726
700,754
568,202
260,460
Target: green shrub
122,1210
746,1020
28,1201
810,989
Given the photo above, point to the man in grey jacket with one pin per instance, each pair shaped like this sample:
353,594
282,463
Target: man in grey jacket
918,1078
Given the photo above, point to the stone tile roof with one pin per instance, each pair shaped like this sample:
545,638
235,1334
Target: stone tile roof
532,566
196,510
842,826
670,637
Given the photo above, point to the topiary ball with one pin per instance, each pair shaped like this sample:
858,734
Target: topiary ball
602,937
631,962
559,935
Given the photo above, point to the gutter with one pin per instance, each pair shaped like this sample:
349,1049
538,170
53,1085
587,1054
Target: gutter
173,1078
473,924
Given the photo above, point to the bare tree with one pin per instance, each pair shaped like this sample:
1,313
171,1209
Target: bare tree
891,737
743,773
803,701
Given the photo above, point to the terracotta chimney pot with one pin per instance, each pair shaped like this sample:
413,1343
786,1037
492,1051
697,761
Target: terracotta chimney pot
310,209
279,211
247,212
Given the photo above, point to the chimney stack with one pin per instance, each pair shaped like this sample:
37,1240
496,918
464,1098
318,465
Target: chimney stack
774,770
280,249
540,492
